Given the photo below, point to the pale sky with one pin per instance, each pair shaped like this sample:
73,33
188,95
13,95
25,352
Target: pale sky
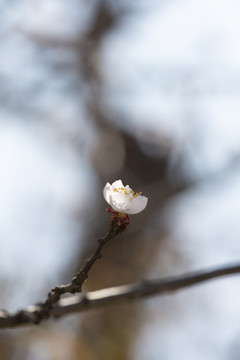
179,74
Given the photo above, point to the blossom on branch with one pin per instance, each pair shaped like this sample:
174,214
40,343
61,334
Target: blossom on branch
123,199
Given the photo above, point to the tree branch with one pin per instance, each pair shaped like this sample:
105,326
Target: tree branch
36,313
114,295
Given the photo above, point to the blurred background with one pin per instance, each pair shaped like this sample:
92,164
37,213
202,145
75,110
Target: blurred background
143,91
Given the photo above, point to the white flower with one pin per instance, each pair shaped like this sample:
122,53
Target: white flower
123,199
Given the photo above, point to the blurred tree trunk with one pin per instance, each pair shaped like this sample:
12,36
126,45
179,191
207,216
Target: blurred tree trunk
109,333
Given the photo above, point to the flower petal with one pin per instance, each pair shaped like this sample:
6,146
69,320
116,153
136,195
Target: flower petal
119,201
106,191
137,205
117,184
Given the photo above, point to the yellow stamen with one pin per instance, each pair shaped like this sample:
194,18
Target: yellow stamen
134,195
122,189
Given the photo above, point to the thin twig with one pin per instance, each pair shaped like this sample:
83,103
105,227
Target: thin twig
116,294
36,313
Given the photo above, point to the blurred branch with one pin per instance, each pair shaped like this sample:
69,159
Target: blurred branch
114,295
